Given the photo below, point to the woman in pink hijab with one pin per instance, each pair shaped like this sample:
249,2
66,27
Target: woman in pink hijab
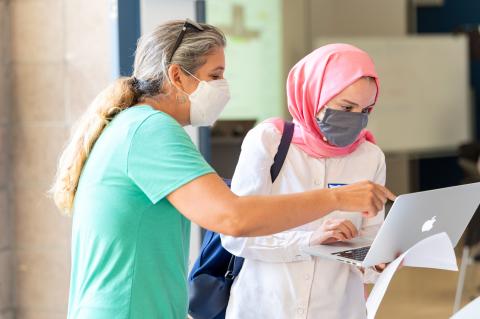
331,94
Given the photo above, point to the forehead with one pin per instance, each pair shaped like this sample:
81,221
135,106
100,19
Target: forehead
362,91
215,59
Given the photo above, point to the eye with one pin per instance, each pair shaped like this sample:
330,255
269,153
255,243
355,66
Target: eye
367,109
347,108
215,76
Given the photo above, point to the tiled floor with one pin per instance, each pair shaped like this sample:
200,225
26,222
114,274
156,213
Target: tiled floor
416,293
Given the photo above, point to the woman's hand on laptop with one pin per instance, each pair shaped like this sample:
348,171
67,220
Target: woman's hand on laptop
333,230
381,267
366,197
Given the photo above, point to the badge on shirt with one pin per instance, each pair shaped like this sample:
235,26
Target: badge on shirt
335,185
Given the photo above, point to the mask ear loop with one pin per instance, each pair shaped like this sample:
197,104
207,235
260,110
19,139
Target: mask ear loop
186,71
321,115
191,74
182,99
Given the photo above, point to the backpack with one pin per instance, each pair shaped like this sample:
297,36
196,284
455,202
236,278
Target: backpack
215,269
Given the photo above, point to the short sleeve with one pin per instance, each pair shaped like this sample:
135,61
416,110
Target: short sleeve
162,157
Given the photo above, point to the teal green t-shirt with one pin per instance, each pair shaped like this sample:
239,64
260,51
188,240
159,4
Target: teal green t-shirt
129,244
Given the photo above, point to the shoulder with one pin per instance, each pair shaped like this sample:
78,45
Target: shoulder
150,129
151,117
264,136
148,122
264,133
371,151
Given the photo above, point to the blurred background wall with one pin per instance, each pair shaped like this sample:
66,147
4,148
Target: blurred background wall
54,58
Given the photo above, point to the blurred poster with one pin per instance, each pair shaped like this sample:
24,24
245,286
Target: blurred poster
253,56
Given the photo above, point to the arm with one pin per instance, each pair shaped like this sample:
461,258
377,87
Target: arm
208,202
163,162
282,247
252,177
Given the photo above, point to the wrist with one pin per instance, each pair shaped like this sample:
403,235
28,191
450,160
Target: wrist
334,199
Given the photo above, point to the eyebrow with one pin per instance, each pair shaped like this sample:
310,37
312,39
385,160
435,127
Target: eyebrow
220,68
355,104
349,102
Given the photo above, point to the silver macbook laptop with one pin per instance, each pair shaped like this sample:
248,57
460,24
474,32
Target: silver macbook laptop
412,218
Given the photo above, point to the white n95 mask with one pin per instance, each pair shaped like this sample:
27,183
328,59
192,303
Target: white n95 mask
208,101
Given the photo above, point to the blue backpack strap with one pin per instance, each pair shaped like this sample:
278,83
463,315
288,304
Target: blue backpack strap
236,263
209,286
234,267
228,181
279,159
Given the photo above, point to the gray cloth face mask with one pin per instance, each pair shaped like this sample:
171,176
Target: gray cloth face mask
342,128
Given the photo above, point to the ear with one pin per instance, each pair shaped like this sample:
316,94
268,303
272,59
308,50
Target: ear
176,76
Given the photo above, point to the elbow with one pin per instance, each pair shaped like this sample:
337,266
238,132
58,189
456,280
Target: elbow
236,224
235,231
235,227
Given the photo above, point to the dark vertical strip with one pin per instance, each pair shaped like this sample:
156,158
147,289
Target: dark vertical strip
204,136
200,11
128,26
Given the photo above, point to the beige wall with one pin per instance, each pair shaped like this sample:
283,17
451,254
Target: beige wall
307,20
358,18
59,59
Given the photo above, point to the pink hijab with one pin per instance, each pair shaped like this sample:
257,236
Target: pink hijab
312,83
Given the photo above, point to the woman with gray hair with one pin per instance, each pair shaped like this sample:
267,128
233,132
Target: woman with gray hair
133,180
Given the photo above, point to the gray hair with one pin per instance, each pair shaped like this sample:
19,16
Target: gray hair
154,49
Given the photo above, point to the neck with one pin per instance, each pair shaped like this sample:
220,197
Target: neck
168,105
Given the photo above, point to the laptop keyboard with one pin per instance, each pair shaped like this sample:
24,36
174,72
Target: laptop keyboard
355,254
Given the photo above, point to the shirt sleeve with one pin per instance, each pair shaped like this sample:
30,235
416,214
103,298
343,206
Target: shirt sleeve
162,157
370,226
252,177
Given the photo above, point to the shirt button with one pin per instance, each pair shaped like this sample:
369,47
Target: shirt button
307,277
300,311
317,182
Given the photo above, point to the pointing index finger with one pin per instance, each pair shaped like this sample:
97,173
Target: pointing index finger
388,193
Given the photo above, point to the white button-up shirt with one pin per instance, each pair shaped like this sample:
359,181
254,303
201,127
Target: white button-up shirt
278,280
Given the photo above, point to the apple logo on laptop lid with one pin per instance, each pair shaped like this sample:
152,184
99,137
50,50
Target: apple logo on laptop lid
428,225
